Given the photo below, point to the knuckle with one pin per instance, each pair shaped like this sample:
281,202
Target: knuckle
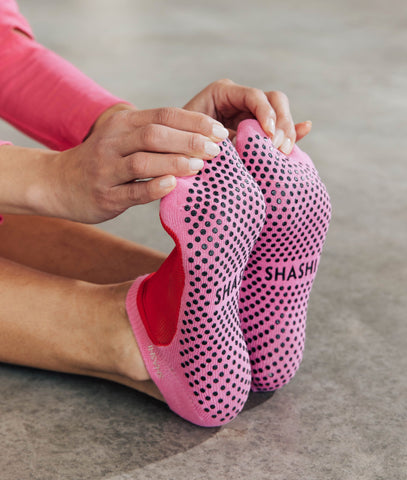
285,121
285,118
167,115
292,133
149,191
144,193
225,81
256,92
195,143
204,124
151,135
133,193
138,164
178,164
281,96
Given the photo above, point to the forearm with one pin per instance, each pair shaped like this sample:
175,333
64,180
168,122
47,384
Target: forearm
27,181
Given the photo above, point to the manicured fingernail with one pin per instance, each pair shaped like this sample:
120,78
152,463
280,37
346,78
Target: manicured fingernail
196,164
219,131
212,149
167,182
278,138
271,126
286,146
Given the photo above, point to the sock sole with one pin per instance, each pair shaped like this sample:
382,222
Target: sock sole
280,273
200,361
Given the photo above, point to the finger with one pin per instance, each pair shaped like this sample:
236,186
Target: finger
285,134
142,165
137,193
180,119
303,129
245,99
163,139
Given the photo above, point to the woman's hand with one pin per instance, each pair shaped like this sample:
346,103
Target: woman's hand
133,156
130,157
230,103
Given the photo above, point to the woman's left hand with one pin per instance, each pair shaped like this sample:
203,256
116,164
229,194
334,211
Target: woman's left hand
230,103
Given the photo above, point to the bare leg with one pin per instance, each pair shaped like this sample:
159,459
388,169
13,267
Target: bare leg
70,324
74,250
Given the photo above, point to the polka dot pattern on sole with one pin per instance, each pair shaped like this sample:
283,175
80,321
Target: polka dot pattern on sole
279,276
185,316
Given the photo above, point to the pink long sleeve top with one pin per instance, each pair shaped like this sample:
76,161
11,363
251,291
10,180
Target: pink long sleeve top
42,94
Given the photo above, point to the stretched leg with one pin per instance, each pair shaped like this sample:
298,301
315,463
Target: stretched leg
184,317
67,325
74,251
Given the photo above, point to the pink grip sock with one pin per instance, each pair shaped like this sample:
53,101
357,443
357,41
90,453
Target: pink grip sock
185,316
282,267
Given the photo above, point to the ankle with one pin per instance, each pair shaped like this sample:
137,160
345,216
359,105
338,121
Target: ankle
119,352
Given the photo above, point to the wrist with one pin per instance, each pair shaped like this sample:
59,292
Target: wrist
44,195
25,181
43,190
108,113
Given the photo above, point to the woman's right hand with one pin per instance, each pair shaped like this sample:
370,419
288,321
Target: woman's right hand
131,158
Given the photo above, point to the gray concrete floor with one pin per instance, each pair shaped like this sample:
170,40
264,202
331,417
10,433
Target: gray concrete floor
343,65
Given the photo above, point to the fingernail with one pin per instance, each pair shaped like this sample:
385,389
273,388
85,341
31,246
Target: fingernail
309,122
271,126
167,182
219,131
286,146
196,164
212,149
278,138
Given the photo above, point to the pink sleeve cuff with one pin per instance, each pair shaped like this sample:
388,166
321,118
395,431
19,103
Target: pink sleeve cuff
45,96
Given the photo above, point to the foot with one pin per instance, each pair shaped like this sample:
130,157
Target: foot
278,279
185,316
